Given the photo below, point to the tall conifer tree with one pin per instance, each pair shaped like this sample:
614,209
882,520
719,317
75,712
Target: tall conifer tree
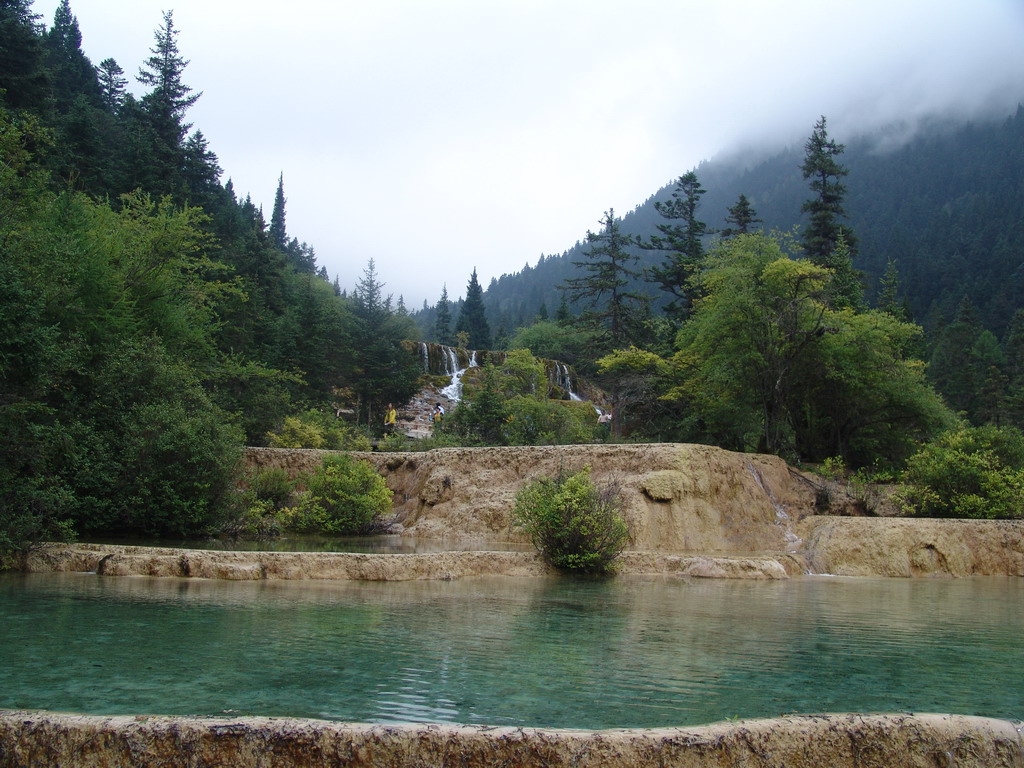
827,242
742,216
472,318
443,319
684,242
612,310
169,99
278,231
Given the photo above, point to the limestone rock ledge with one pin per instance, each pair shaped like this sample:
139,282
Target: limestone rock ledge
815,741
117,560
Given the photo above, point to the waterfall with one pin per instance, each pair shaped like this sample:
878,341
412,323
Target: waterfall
454,390
563,378
451,367
425,352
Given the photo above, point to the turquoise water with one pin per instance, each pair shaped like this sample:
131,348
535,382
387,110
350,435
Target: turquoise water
630,652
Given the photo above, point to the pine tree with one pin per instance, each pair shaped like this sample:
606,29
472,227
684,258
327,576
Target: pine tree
24,82
278,233
473,319
443,320
72,72
742,216
614,312
1013,350
169,99
827,242
952,367
112,84
684,242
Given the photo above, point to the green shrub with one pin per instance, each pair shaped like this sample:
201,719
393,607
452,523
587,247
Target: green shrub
976,472
272,485
316,429
259,519
574,524
344,496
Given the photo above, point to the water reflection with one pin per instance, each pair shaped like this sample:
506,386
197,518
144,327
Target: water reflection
628,652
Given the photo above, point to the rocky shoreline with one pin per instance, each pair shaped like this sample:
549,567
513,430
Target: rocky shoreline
837,741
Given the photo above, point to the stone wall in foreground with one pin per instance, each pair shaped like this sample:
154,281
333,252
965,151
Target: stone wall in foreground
820,741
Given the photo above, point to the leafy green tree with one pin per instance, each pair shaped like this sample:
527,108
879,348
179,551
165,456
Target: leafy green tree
1013,404
555,342
742,216
637,379
612,312
766,363
684,242
481,416
975,472
827,242
472,319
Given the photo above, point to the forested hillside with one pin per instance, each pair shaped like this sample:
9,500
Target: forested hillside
943,204
154,320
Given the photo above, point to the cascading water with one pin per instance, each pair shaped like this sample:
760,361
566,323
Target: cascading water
454,390
564,380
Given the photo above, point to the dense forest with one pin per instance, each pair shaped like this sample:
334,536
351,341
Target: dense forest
936,213
942,203
156,321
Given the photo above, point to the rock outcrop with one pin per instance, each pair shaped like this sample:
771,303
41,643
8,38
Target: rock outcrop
679,498
685,502
836,741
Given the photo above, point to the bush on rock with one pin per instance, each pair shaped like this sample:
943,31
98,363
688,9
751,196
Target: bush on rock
573,523
343,496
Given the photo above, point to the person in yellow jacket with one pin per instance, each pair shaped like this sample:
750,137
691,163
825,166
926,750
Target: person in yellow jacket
390,419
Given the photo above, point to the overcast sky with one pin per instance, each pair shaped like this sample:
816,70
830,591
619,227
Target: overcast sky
435,137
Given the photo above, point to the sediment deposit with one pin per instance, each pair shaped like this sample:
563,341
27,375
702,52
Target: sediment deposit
835,741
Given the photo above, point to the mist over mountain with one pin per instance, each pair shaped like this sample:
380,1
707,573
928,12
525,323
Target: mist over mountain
942,198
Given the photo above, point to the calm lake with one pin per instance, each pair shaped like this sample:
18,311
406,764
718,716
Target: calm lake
552,652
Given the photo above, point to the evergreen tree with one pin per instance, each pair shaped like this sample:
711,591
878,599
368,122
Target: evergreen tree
383,371
443,320
24,82
742,216
112,84
164,106
612,311
827,242
952,366
200,172
71,71
472,319
683,241
888,292
1013,350
278,233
